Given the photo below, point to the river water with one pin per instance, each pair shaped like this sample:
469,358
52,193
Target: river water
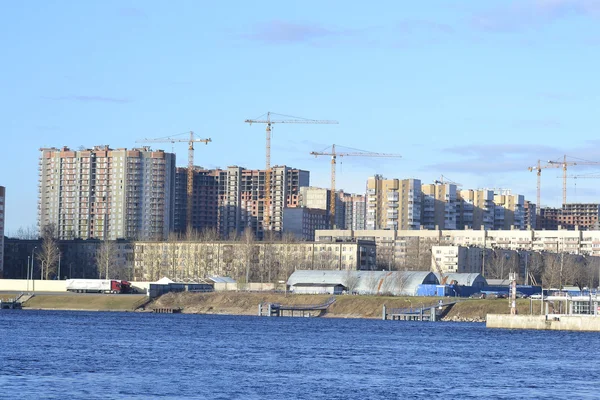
101,355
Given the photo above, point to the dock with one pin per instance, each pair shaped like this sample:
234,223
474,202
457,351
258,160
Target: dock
430,313
10,304
299,310
166,310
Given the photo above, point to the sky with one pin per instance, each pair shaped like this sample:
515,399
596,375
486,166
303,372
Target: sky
476,91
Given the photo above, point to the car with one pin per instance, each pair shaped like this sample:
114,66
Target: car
536,296
477,295
521,295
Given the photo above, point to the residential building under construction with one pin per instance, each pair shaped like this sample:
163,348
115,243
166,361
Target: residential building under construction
104,193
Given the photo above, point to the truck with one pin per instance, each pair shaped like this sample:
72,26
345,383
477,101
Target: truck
98,286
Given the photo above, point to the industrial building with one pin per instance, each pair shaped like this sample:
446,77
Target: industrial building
105,193
396,283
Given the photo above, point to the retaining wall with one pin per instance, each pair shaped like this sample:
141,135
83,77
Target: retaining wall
545,322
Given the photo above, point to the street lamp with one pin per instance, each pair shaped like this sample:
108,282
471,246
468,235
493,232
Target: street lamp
58,248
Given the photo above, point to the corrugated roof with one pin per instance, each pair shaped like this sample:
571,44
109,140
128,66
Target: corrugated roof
221,279
465,279
366,282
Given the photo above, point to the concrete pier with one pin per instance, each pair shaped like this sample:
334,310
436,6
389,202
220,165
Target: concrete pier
556,322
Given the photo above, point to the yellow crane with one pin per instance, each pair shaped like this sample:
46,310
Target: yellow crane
538,168
564,165
444,180
266,119
190,168
334,154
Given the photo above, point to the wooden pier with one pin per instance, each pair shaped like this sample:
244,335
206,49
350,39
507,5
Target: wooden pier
429,313
299,310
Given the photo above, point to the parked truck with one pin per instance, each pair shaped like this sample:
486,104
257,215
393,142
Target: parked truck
98,286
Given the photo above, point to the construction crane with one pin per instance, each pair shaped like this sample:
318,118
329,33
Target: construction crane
190,168
564,165
334,155
266,119
538,168
444,180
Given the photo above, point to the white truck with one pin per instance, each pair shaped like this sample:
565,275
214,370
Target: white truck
98,286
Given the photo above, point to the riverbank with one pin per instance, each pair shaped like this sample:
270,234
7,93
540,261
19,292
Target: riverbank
242,303
86,302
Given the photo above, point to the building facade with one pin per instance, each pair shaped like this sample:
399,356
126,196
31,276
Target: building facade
509,211
393,203
302,222
439,206
355,210
320,198
105,193
475,209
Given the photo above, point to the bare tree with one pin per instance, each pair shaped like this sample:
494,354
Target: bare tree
351,280
26,233
106,261
552,274
48,256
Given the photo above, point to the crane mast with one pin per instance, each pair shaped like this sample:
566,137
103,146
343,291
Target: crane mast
190,168
334,154
269,122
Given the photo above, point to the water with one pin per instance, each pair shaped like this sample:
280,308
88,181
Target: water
77,355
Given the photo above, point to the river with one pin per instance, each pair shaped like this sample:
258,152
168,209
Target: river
103,355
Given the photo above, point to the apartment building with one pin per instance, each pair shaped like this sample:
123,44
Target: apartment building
456,259
579,216
2,219
509,210
393,203
439,206
105,193
241,200
475,209
302,222
320,198
259,261
207,186
355,211
530,215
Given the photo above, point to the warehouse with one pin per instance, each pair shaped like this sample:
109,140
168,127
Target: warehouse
397,283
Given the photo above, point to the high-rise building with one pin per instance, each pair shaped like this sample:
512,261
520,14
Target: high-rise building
105,193
355,208
2,213
439,206
320,199
509,210
530,211
475,209
583,216
393,203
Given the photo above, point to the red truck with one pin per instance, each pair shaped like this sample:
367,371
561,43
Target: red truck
98,286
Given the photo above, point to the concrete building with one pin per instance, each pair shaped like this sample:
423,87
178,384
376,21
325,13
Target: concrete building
241,202
302,222
355,210
456,259
530,215
255,261
439,206
509,210
475,209
103,193
393,203
320,199
549,218
2,219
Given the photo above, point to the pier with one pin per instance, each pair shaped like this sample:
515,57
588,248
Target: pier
10,304
430,313
166,310
299,310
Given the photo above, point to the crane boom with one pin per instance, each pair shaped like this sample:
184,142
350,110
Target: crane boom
564,165
538,168
268,122
190,168
334,155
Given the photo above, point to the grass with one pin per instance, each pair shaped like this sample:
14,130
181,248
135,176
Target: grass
85,302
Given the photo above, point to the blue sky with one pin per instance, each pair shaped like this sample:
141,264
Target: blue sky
476,91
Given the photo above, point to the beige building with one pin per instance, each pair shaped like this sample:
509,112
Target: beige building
475,209
438,206
456,259
320,199
255,261
105,193
393,203
509,210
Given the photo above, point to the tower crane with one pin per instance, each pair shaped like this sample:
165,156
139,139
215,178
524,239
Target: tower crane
538,168
334,155
190,168
444,180
266,119
564,165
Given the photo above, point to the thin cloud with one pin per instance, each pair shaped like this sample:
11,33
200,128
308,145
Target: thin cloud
90,99
285,32
531,13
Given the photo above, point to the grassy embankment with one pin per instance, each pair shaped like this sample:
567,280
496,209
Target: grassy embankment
96,302
241,303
